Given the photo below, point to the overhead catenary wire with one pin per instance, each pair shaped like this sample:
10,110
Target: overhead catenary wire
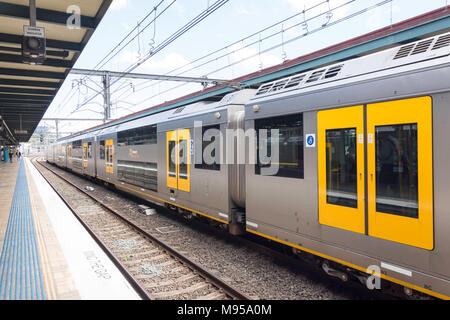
258,41
246,38
379,4
218,4
100,65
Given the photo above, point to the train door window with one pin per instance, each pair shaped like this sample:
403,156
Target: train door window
340,146
209,135
396,169
290,142
183,159
341,167
400,171
172,162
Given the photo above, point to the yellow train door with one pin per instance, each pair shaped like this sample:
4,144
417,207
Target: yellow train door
172,159
69,153
341,168
109,156
85,155
397,161
400,171
178,159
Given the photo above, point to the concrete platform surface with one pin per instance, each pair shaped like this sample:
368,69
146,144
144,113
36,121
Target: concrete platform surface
46,253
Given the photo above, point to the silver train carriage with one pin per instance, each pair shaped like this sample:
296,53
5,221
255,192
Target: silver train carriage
362,176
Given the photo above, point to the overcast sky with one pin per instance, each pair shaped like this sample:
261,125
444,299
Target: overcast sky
236,20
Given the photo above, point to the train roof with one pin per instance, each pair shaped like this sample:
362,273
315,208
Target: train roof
191,110
370,66
388,61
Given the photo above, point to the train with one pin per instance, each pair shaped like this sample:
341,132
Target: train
347,163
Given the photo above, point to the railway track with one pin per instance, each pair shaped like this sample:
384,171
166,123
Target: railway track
156,270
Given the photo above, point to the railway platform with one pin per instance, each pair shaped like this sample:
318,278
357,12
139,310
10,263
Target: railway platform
46,254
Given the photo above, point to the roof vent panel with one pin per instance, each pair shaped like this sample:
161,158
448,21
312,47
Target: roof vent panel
315,76
442,42
295,81
404,51
333,71
179,110
422,46
264,89
279,85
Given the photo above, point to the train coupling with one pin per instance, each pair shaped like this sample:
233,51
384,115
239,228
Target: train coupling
333,272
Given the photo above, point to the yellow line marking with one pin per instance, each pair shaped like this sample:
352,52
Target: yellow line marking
403,283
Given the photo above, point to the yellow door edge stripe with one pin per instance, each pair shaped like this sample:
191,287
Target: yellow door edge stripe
162,200
403,283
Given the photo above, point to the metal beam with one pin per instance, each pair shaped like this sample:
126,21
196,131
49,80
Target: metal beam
15,58
22,104
29,91
50,43
33,73
52,53
29,83
70,119
43,15
25,97
114,74
9,110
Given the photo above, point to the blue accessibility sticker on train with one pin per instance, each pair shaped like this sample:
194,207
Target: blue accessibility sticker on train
310,140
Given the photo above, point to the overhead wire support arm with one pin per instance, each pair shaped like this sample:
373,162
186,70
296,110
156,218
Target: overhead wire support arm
145,76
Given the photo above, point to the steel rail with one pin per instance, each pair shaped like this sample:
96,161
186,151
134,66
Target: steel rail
213,279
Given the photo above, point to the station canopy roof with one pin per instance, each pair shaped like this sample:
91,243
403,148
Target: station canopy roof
26,91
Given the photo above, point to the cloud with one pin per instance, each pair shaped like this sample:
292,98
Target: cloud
119,4
241,9
157,65
380,17
251,60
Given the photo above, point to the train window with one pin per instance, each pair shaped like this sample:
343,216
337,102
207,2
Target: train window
137,136
89,150
396,169
102,149
172,164
183,167
76,144
140,174
341,165
290,141
210,136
